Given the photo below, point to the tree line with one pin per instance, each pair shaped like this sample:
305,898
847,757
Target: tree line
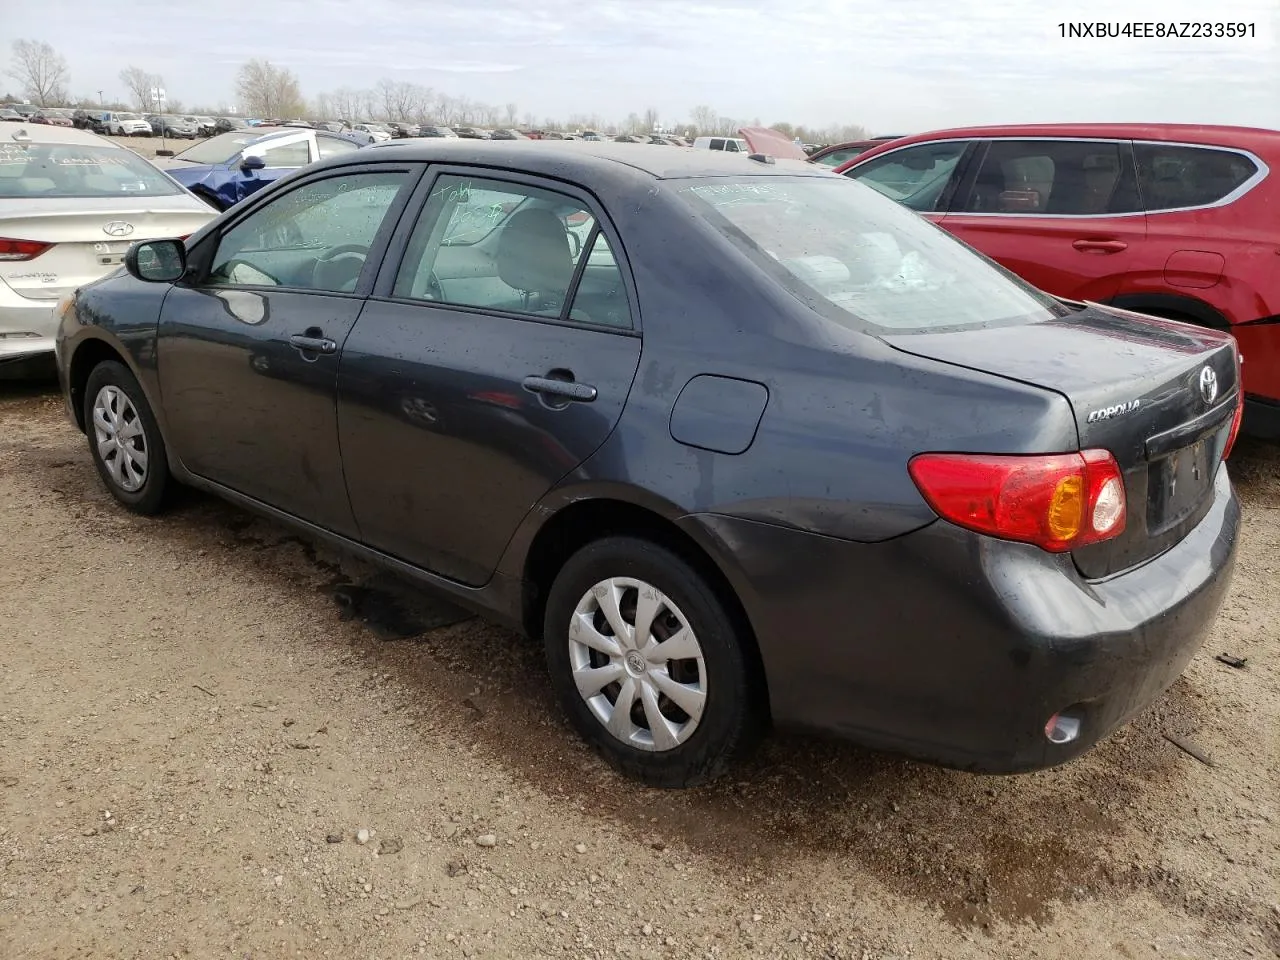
269,91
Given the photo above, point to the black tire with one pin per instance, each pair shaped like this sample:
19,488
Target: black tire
149,498
732,716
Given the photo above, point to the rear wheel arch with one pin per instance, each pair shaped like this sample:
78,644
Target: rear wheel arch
1173,306
586,521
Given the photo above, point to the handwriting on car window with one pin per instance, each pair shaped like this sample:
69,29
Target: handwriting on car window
475,212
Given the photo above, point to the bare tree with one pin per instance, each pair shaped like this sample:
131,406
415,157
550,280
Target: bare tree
40,70
399,100
266,90
703,119
650,120
139,83
511,115
633,123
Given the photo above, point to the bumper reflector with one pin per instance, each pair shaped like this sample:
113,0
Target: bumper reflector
1062,728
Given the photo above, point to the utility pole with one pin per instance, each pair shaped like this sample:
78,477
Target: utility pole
100,103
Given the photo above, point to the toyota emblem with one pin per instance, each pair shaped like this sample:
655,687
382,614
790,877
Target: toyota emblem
1208,385
117,228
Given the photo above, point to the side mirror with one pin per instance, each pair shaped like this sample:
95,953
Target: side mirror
575,243
248,164
157,261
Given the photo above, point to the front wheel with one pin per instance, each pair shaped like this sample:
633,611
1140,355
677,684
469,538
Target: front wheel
648,664
124,439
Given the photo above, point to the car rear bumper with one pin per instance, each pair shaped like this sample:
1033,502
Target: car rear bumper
957,648
27,327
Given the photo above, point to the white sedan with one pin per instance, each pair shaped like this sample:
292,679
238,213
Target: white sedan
71,203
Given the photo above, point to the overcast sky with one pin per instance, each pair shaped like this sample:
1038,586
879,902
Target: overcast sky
892,65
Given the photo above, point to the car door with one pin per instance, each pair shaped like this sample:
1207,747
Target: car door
1064,214
487,367
922,176
248,346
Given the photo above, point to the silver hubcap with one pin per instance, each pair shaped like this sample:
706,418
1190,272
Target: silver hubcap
122,443
637,664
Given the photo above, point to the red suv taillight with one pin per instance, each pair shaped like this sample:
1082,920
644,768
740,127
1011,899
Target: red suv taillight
1058,501
21,249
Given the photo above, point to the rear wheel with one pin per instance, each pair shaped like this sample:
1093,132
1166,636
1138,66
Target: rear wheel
648,664
124,439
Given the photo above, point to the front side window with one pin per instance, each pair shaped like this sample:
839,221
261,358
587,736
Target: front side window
508,248
287,155
861,261
44,170
333,146
916,176
219,149
1173,177
1053,177
837,157
315,237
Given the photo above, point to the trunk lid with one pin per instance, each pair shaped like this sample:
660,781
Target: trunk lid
82,250
772,143
1159,395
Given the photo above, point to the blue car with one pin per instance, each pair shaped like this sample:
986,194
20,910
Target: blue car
225,169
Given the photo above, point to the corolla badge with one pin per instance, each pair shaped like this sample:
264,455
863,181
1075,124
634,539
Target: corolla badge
1119,410
117,228
1208,385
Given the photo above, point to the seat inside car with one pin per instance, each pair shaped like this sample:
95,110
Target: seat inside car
534,257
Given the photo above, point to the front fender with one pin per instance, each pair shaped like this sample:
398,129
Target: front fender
115,317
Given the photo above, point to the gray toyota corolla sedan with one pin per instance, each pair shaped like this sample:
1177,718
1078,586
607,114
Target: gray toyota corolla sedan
742,442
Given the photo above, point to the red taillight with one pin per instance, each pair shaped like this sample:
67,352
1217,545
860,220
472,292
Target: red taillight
21,249
1239,414
1057,501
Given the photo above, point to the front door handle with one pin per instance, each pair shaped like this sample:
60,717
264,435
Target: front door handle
313,344
1100,246
564,389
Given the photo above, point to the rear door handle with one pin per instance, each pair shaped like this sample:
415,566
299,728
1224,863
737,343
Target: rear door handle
566,389
1100,246
313,344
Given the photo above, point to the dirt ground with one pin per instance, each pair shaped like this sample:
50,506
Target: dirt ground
200,714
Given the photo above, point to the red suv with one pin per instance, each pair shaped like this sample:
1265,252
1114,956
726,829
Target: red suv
1173,220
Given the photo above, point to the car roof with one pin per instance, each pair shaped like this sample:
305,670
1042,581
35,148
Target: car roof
573,158
1207,134
40,133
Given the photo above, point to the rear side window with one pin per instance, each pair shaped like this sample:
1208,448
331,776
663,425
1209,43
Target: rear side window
1053,177
860,260
1174,177
916,177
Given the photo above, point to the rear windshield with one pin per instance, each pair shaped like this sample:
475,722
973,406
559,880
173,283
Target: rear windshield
862,260
42,170
221,148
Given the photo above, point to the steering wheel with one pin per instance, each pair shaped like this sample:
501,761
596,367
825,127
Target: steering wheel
338,268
